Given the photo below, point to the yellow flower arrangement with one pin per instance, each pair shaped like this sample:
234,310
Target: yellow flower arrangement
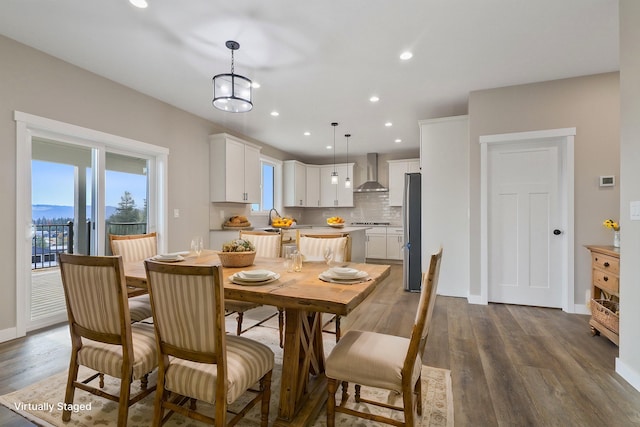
609,223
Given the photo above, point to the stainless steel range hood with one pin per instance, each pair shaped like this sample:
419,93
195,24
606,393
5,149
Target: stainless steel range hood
372,184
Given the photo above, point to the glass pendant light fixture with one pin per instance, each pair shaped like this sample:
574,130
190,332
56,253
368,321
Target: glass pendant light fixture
334,174
232,92
347,181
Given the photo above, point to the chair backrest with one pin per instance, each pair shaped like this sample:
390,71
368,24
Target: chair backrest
188,311
312,246
96,297
134,247
268,245
420,330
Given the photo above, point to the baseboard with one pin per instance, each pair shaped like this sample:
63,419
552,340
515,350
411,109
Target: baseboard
630,375
581,309
475,299
8,334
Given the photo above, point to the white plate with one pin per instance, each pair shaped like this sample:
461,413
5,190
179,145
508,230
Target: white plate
239,281
330,279
255,274
168,258
344,272
331,275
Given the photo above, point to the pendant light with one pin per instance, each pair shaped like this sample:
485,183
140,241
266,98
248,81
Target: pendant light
347,181
334,174
232,92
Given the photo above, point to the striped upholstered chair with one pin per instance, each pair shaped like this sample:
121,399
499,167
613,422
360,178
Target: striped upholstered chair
197,359
136,248
102,336
312,247
384,361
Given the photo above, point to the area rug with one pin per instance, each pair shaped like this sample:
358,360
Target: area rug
41,402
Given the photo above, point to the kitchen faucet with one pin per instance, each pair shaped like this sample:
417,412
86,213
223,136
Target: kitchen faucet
270,212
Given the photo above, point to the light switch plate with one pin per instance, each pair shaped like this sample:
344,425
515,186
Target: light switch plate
176,213
635,210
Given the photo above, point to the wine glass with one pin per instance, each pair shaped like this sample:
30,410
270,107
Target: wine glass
327,253
196,245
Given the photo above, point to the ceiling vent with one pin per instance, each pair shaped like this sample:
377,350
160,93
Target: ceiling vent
372,184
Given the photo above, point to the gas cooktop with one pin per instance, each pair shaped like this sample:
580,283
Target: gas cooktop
370,223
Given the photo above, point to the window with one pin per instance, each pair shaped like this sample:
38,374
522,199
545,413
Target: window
270,185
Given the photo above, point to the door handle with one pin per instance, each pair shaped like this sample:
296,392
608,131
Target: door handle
557,232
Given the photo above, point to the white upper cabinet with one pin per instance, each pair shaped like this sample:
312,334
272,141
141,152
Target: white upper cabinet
335,195
313,186
397,169
295,184
234,170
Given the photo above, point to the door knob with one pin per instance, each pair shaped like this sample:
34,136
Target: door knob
557,232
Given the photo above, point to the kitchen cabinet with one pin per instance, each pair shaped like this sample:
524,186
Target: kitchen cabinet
335,195
397,169
295,184
395,243
605,285
313,186
234,170
376,243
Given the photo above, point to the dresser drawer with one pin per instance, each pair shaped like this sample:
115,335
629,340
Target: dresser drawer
605,280
606,263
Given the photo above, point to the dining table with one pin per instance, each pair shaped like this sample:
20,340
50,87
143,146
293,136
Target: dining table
304,298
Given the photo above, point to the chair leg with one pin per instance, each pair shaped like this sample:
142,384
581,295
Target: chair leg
345,392
144,382
239,327
158,411
408,399
101,382
123,404
281,325
357,396
418,393
332,384
337,328
265,387
68,396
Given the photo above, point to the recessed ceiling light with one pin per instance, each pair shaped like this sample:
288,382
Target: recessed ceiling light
275,113
388,124
329,147
374,99
406,55
398,141
255,85
307,133
142,4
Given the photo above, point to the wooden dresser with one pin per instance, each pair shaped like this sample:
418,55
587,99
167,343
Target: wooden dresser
605,283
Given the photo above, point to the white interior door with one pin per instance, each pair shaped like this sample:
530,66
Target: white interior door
525,232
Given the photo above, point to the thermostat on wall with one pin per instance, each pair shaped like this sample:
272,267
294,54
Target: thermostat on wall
607,181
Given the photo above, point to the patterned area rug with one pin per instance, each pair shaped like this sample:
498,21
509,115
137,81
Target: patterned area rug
41,402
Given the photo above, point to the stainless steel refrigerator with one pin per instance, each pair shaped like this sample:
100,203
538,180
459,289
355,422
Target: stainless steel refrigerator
411,218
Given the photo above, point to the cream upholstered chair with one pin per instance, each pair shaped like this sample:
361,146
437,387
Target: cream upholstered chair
312,246
134,248
197,359
102,336
385,361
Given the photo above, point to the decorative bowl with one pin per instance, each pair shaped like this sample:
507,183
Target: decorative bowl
335,225
237,259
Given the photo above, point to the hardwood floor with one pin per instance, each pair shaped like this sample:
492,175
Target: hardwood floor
510,365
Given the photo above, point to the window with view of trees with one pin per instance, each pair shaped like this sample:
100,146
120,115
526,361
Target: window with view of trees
268,186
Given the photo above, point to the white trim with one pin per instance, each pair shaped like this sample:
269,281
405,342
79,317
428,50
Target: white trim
28,126
628,373
8,334
475,299
442,120
581,309
566,137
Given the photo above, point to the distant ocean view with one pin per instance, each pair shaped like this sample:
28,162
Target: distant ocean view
57,211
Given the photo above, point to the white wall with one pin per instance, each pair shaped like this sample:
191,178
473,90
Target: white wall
444,157
628,363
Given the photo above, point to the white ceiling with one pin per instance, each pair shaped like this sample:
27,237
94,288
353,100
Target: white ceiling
319,62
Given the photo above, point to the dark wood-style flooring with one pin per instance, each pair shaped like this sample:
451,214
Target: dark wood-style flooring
510,365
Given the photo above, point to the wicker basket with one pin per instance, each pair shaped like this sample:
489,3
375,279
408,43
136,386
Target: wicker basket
604,311
236,259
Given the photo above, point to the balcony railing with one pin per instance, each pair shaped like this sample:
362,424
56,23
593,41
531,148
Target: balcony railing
49,240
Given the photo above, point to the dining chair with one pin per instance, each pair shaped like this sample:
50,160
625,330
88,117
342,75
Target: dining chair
134,248
268,245
312,246
384,361
102,336
197,360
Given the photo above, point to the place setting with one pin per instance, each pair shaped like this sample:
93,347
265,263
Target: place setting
172,257
344,275
254,277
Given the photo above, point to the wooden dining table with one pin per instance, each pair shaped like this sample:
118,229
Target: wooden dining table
304,297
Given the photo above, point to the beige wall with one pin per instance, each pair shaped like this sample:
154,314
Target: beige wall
628,364
39,84
591,105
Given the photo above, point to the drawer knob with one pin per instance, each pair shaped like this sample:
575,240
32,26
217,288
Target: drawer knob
606,264
605,278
